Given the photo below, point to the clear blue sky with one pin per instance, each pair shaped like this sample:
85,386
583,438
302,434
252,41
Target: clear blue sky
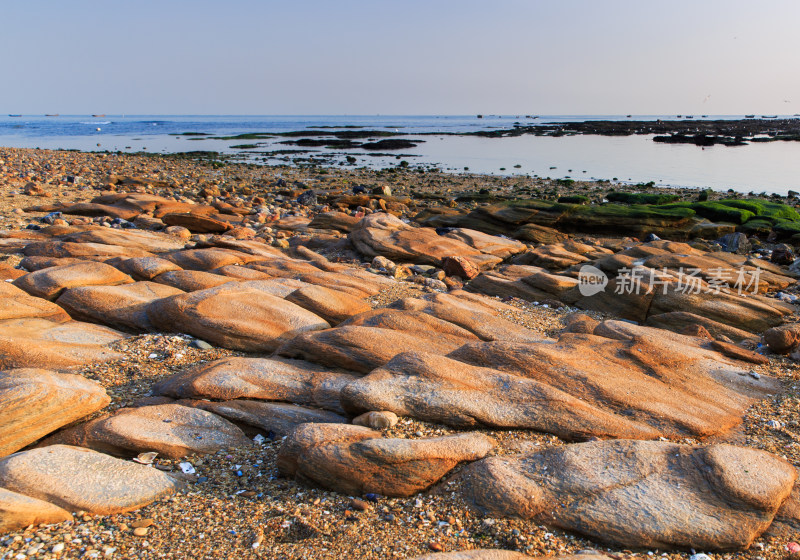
401,57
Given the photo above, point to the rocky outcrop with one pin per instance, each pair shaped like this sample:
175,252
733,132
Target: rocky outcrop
356,460
37,402
637,493
18,511
17,304
332,305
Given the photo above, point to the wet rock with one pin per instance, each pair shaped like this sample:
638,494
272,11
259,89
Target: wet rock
356,460
234,316
639,494
782,254
37,402
172,430
735,243
18,511
79,479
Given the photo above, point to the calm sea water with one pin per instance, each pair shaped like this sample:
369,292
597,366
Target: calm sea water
759,167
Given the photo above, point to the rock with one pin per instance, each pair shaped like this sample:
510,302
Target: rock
79,479
332,305
116,306
37,402
739,353
35,342
495,554
334,220
439,389
150,241
207,259
539,234
147,268
196,223
783,339
679,321
387,235
191,280
580,323
377,420
735,243
307,198
259,378
639,494
234,316
782,254
86,251
17,304
18,511
50,282
172,430
276,418
355,460
459,266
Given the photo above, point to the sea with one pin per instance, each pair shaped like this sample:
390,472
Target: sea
762,167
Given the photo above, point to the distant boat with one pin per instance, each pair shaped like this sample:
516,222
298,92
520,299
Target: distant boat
103,115
689,117
749,116
769,116
14,115
51,114
480,116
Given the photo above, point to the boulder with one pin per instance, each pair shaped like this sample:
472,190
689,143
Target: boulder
191,280
783,339
387,235
234,316
334,220
17,304
258,378
355,460
172,430
273,418
121,307
79,479
150,241
206,259
147,268
679,321
362,349
18,511
36,342
86,251
501,247
196,223
332,305
50,282
639,493
37,402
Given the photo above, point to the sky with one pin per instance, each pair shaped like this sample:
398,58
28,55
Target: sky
421,57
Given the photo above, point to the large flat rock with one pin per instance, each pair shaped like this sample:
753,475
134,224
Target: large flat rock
332,305
17,304
116,306
293,381
355,460
79,479
49,283
234,316
37,402
170,429
639,494
36,342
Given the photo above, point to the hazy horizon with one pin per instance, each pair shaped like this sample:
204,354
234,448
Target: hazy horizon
515,57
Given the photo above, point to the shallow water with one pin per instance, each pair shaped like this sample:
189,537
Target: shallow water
758,167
